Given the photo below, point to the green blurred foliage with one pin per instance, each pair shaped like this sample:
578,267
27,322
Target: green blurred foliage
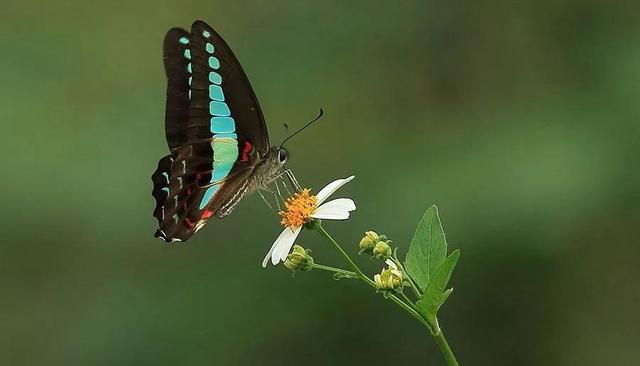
519,119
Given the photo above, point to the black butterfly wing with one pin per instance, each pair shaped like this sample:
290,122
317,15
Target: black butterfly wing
238,92
186,198
215,131
177,104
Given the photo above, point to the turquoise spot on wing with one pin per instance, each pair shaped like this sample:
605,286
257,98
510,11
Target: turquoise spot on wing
208,194
222,125
215,78
187,54
219,109
190,79
215,93
225,149
184,40
226,136
166,175
214,63
189,68
220,170
166,189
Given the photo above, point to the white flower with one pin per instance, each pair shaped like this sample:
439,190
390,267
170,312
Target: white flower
392,266
302,208
390,278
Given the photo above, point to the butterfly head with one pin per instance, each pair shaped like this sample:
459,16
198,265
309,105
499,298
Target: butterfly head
283,155
272,165
276,159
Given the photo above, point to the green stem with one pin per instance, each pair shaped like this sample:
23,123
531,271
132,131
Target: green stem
406,307
343,272
406,275
406,298
446,351
409,310
346,257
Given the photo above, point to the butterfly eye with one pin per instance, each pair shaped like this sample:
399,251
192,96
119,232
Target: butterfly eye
283,156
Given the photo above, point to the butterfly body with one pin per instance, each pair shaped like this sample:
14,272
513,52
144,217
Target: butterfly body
262,174
216,134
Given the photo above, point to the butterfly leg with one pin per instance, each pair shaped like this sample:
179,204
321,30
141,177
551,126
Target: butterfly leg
265,200
284,184
293,180
279,192
275,195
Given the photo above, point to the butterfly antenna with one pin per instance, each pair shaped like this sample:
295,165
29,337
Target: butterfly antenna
303,127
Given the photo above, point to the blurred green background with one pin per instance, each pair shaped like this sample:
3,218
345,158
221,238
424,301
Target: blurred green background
519,119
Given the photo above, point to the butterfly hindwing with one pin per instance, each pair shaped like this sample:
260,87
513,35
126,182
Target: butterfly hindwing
160,179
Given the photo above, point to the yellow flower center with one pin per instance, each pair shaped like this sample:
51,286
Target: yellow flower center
298,209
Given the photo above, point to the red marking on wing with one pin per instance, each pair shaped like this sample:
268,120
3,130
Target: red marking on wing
207,214
188,223
246,150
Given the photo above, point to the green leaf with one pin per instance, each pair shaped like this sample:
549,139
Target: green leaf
428,248
435,295
445,295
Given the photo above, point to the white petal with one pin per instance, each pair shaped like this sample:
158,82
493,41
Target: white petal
337,209
284,240
283,244
346,204
391,264
332,187
273,246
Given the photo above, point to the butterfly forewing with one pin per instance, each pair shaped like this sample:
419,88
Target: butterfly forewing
177,104
215,66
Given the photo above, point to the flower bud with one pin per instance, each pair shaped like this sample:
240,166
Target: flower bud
299,259
390,278
382,250
368,242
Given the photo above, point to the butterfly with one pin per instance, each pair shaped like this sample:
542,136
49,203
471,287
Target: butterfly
219,148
